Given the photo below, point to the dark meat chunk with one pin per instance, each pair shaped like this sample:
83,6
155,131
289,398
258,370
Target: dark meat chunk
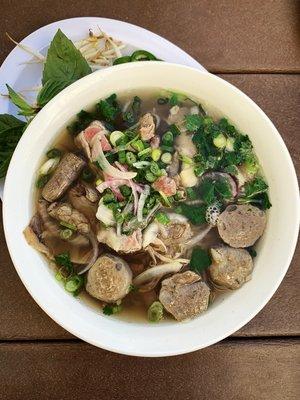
65,174
64,212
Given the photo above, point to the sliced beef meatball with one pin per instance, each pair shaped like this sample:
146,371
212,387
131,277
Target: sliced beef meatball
109,278
184,295
241,225
231,267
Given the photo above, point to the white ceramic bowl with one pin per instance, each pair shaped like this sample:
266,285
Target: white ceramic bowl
230,312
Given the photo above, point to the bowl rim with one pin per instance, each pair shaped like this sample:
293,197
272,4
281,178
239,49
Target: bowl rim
88,80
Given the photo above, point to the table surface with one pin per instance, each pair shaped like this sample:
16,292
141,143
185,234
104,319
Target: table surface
255,46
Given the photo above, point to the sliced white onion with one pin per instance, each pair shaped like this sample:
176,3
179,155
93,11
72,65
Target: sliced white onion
105,214
150,234
157,272
141,203
112,171
49,166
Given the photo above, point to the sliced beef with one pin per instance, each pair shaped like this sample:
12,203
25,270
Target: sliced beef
109,278
65,174
241,225
120,243
231,267
147,127
64,212
184,295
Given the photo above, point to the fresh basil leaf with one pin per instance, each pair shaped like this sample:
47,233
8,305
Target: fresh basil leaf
64,63
200,260
50,90
25,108
11,129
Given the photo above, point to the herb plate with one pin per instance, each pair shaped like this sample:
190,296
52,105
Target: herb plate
20,75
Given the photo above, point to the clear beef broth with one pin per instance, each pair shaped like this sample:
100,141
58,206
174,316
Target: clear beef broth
136,303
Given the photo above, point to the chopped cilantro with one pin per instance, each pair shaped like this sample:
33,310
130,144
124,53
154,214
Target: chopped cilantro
63,260
194,213
254,187
109,108
200,260
193,122
110,309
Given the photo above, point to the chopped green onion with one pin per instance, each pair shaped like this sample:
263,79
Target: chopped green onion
175,130
150,177
141,164
154,168
99,181
144,152
41,181
87,175
122,60
74,284
122,157
167,138
166,200
162,218
220,141
155,312
125,190
155,154
166,158
115,136
59,277
53,153
138,145
142,55
119,217
67,225
167,149
65,234
130,158
108,198
186,159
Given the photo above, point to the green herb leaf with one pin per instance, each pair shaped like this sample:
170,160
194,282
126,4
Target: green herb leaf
50,90
109,108
11,129
254,187
194,213
63,260
110,309
25,108
193,122
64,63
200,260
84,119
212,190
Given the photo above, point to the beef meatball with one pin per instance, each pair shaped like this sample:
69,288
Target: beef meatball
231,267
241,225
109,279
184,295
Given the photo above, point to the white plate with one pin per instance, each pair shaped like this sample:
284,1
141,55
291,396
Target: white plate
21,76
